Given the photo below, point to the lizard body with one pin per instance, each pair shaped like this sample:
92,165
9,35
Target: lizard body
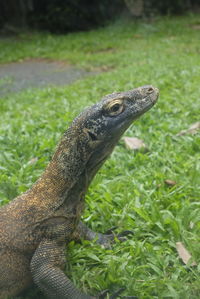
36,226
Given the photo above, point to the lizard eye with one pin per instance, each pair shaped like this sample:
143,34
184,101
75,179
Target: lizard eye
115,107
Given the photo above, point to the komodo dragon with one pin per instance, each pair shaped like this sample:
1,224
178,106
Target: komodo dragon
36,226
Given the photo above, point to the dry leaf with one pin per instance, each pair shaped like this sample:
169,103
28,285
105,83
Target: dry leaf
134,143
191,130
184,254
170,183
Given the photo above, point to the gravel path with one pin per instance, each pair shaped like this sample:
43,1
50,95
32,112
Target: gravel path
37,73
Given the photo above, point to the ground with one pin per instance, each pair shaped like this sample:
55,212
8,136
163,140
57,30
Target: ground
129,191
37,73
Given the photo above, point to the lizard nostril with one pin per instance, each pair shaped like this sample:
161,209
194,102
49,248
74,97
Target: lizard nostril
150,90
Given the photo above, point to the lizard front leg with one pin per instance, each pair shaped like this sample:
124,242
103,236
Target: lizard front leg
46,268
83,232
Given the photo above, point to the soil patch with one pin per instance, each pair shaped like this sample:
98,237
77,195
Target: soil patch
37,73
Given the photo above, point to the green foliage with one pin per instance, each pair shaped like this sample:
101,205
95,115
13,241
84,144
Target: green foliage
129,191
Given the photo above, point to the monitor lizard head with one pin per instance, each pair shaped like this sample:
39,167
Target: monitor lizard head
109,118
105,122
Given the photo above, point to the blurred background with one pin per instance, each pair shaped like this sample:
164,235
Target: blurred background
72,15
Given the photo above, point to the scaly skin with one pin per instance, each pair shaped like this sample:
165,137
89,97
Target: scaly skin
36,226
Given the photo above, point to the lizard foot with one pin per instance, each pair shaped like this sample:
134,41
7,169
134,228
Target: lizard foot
121,236
106,239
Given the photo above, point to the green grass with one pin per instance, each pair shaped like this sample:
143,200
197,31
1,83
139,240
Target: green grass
129,191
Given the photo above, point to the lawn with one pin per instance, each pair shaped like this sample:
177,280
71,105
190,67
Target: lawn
129,191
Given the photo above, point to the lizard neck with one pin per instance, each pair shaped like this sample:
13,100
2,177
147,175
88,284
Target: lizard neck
72,168
66,170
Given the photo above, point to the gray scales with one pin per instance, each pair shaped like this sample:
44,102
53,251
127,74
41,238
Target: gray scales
36,226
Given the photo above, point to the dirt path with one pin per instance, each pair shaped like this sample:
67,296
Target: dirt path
37,73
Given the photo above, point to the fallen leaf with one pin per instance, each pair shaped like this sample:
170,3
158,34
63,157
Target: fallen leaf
170,183
191,130
184,254
134,143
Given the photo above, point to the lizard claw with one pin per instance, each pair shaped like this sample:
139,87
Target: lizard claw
123,235
110,230
108,238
